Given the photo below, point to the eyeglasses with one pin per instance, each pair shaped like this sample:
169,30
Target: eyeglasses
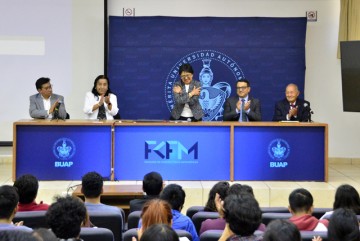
242,88
47,87
185,76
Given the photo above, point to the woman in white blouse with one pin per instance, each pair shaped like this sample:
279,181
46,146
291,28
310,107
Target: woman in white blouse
100,102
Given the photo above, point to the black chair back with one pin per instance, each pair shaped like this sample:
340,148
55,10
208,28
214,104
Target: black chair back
133,219
274,210
194,209
110,220
32,219
268,217
96,234
309,235
211,235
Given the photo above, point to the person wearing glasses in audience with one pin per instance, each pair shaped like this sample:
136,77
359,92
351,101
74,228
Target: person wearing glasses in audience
292,108
45,104
186,95
100,102
242,108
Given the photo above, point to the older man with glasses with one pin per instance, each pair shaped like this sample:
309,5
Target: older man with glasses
46,104
186,95
242,107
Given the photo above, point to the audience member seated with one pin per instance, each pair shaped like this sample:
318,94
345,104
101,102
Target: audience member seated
219,223
243,216
281,230
159,232
221,188
346,196
152,186
238,188
301,206
27,187
92,188
12,235
9,200
155,211
175,195
66,216
217,193
343,226
44,234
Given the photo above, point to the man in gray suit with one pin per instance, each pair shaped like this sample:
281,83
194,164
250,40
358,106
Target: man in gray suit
186,94
45,104
242,108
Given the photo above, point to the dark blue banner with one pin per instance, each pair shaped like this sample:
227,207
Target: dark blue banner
279,153
63,152
177,152
146,52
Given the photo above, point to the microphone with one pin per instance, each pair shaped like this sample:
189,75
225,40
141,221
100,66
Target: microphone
307,107
56,110
58,105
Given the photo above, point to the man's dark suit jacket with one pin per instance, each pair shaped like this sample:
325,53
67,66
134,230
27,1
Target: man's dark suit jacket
230,109
282,109
137,204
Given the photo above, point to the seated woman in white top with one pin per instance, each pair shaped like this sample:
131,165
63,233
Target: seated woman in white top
100,103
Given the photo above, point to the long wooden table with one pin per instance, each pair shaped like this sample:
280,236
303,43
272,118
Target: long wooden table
126,150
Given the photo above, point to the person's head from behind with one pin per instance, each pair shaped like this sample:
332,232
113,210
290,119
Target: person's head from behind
343,226
186,73
155,211
292,92
44,234
281,230
92,185
16,235
9,200
301,201
220,188
175,195
240,189
242,213
159,232
44,87
152,183
65,217
101,86
27,186
346,196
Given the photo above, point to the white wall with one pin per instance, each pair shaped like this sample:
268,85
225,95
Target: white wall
60,39
323,74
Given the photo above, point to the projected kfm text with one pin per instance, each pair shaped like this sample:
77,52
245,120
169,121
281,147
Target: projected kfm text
170,150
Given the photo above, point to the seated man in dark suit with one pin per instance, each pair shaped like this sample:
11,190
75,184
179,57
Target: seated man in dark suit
242,108
292,108
46,104
152,186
